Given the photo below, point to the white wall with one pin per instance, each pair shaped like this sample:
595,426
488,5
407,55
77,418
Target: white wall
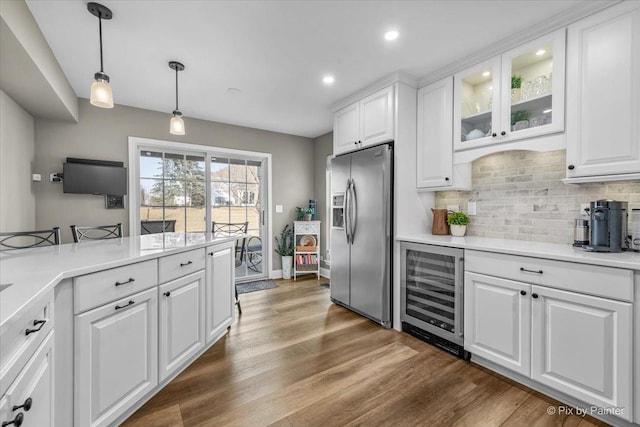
17,199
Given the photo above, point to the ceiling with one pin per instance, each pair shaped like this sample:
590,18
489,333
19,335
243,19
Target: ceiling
273,54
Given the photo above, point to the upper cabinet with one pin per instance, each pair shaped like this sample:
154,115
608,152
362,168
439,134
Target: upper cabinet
518,95
435,168
603,125
367,122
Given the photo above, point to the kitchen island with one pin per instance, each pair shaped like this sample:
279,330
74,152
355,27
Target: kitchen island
111,321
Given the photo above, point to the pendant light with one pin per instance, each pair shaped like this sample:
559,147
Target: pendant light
101,95
176,127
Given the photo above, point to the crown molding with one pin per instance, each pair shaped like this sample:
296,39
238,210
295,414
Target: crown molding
530,33
396,77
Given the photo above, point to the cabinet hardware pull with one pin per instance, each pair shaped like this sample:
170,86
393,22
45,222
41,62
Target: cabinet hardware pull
26,405
167,294
534,295
184,264
503,133
17,421
523,293
571,167
355,143
36,323
131,279
131,302
530,271
494,134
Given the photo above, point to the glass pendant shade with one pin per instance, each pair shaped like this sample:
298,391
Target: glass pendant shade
176,127
101,95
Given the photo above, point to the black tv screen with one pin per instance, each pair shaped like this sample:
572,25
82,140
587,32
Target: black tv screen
84,178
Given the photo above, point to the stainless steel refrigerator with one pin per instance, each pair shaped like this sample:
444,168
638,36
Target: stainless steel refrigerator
361,232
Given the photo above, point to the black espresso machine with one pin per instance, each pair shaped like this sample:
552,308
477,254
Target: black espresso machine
608,226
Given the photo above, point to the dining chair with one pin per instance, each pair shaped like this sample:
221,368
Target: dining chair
234,227
96,232
29,239
157,226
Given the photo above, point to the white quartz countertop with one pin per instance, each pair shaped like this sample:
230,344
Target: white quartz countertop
554,251
34,272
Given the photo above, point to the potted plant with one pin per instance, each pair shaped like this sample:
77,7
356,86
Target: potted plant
458,222
516,91
307,214
284,248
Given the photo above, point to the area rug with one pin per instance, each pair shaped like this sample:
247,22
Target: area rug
258,285
325,285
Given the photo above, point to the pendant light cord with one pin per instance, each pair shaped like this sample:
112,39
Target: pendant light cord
177,109
100,30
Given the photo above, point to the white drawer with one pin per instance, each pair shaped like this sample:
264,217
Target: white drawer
95,289
17,346
306,227
606,282
178,265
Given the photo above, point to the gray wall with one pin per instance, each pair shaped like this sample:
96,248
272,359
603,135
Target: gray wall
17,199
519,195
103,134
322,147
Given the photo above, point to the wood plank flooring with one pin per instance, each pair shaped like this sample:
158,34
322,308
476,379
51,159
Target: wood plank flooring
295,359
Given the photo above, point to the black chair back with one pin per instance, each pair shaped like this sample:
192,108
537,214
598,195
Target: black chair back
96,232
29,239
157,226
233,227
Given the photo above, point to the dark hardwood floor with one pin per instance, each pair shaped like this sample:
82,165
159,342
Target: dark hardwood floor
295,359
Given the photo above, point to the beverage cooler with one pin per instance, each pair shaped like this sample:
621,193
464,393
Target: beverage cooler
431,295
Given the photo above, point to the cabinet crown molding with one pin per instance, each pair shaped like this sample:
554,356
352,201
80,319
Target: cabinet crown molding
396,77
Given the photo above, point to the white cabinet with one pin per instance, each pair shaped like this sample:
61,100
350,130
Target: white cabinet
306,254
435,168
498,321
603,68
30,397
578,344
116,357
181,322
219,289
367,122
490,108
582,345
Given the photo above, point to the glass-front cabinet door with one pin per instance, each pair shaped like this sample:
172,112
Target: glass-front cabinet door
517,95
533,78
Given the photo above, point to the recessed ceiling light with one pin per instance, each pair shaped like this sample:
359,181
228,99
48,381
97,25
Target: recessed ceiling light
391,35
541,52
486,74
328,80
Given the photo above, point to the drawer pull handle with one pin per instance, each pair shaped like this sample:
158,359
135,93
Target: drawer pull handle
131,302
17,421
131,280
530,271
184,264
26,405
167,294
36,323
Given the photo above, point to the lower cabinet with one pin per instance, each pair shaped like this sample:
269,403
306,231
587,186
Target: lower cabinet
181,322
30,397
219,289
497,321
582,346
116,357
577,344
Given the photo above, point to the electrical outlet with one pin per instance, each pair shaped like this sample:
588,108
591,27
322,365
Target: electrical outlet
471,208
36,177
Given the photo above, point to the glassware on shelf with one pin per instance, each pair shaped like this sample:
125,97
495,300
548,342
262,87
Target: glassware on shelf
540,85
536,121
516,95
522,124
526,90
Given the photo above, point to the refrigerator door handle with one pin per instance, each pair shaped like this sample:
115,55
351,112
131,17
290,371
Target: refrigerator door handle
346,211
353,222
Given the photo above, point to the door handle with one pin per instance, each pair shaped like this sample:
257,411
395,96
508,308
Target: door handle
345,212
39,323
354,220
119,307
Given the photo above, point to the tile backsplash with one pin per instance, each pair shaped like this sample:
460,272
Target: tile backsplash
519,195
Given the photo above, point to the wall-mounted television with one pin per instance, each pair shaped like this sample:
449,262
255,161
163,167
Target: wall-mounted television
84,176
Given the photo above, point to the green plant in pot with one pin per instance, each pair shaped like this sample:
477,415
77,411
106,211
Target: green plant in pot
307,213
516,92
458,222
284,248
